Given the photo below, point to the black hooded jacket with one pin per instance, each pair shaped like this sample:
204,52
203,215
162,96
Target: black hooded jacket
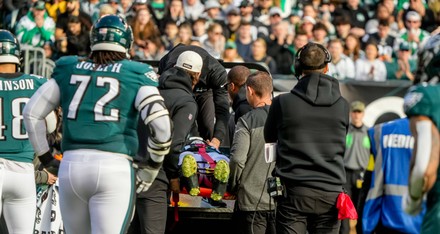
309,125
213,77
176,90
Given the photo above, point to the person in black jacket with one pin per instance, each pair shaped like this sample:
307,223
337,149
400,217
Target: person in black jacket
175,86
237,77
211,95
309,125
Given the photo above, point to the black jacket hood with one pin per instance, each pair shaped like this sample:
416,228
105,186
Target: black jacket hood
318,89
175,78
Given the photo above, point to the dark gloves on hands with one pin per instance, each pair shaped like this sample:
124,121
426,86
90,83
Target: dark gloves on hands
49,163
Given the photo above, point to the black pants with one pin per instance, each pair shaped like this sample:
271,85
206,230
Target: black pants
306,209
253,222
205,115
151,210
352,176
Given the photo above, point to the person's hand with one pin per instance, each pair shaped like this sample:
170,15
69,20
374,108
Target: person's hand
51,178
175,185
214,142
411,205
49,163
39,21
145,177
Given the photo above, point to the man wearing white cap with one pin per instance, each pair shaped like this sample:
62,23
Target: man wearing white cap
175,86
413,34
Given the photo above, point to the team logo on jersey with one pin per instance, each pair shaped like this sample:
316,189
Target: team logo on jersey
152,75
411,99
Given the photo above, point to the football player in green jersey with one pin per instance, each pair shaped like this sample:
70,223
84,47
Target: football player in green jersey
422,105
101,97
17,182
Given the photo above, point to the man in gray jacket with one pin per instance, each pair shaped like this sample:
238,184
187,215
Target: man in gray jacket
254,209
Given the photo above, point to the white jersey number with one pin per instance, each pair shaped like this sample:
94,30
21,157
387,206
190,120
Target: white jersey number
101,82
17,120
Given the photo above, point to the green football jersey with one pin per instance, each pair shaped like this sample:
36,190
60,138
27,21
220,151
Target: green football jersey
98,103
15,92
424,99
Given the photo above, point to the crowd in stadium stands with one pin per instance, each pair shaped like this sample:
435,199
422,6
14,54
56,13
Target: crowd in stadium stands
368,39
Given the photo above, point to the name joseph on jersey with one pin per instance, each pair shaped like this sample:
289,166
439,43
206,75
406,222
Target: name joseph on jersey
114,67
11,85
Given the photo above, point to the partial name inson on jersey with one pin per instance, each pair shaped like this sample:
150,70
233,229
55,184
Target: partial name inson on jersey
11,85
114,67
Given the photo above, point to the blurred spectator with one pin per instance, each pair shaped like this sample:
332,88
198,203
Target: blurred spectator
259,55
125,6
158,9
428,21
320,34
55,8
104,9
11,12
402,67
233,22
50,51
230,54
193,9
153,50
169,37
213,12
263,11
185,34
278,48
135,7
274,17
72,8
299,41
384,40
412,34
90,7
244,40
144,28
78,38
306,25
383,13
215,42
370,67
343,26
199,28
173,13
352,47
341,67
116,7
248,14
36,27
358,16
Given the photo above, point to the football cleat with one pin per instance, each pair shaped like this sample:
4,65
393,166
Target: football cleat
189,172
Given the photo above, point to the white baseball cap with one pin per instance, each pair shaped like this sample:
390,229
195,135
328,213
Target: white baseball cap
190,60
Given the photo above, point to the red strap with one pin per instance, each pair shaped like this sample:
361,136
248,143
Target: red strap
202,152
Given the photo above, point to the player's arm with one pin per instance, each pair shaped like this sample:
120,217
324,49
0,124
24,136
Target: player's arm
153,113
43,102
218,78
424,162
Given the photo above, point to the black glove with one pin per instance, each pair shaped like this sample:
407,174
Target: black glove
50,163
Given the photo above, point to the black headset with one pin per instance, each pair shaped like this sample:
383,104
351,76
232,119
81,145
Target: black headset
299,66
